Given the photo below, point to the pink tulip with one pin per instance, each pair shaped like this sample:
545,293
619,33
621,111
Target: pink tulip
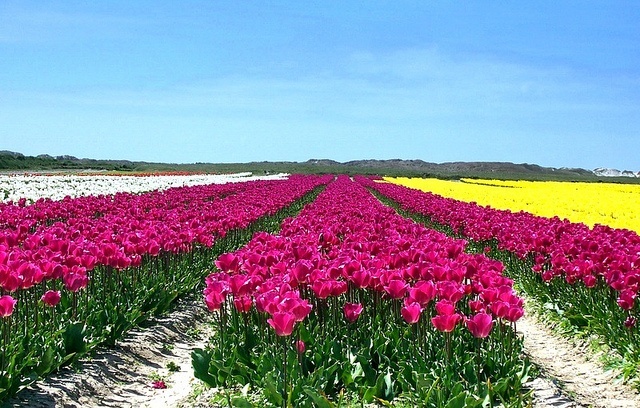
227,263
480,325
300,346
450,290
242,303
338,288
361,278
282,323
446,323
476,306
445,307
396,288
7,303
215,294
630,322
301,309
626,299
322,289
238,284
51,298
500,309
423,292
411,313
352,311
514,313
74,281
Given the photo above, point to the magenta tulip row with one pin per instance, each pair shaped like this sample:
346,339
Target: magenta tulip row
347,241
66,239
18,221
560,249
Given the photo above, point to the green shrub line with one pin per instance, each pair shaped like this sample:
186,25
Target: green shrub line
573,310
38,340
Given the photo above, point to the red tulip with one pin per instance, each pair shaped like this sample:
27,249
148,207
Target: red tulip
282,323
480,325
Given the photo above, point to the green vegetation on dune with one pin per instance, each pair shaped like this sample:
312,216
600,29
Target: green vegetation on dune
10,161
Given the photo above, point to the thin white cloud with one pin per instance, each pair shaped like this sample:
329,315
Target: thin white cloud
40,24
405,85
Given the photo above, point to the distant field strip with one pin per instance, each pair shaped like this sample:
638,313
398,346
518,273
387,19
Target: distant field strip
616,205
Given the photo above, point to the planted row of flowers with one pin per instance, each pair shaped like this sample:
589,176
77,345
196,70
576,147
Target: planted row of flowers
588,276
19,220
74,283
29,188
352,299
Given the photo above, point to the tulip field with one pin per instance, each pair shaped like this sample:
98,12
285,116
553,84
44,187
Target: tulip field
588,277
611,204
352,301
323,290
76,273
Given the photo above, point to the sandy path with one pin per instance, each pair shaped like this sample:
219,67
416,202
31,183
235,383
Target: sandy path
574,369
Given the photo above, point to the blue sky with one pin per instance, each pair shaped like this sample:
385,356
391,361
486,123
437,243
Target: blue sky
556,83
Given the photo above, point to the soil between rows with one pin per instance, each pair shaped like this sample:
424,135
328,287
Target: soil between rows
123,376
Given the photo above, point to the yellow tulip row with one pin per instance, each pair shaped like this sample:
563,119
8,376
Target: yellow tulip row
616,205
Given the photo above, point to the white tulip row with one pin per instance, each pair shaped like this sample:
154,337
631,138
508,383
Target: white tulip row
56,187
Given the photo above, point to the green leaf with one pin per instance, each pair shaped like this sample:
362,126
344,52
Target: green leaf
388,393
459,401
73,336
369,394
201,361
241,402
47,364
319,400
270,391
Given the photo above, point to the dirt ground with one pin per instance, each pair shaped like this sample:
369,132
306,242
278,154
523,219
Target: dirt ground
573,369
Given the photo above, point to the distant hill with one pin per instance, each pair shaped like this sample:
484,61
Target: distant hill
12,161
